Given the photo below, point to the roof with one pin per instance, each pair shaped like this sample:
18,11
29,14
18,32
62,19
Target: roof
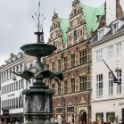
64,24
110,32
90,16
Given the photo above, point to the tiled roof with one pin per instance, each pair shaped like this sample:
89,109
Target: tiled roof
95,38
90,16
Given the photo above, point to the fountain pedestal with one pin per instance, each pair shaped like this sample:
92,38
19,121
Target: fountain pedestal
38,104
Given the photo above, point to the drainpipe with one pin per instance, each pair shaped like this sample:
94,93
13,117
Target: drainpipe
87,72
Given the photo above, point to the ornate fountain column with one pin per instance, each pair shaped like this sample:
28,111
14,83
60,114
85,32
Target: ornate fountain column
38,100
38,104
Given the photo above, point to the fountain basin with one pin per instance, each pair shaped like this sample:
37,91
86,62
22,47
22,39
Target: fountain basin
38,49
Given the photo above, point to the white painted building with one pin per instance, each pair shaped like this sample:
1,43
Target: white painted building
11,87
107,96
12,100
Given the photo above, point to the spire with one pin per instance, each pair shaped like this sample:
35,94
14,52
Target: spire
55,14
39,25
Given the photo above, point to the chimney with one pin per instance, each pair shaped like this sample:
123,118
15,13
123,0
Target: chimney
110,11
11,55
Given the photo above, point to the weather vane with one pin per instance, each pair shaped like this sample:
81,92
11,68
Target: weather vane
39,24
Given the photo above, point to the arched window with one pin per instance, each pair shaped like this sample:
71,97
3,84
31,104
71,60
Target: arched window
75,35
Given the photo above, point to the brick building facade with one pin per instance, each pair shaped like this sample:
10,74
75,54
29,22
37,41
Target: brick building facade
73,58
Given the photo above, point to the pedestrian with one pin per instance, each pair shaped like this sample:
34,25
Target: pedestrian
115,122
94,122
16,122
56,122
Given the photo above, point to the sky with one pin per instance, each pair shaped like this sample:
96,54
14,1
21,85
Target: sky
17,26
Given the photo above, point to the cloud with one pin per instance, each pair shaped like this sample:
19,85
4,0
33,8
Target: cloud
17,26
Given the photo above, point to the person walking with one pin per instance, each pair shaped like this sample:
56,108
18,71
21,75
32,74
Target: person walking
16,122
115,122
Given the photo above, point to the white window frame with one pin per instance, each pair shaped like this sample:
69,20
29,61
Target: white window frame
110,51
99,55
99,85
100,34
115,27
110,84
119,86
119,48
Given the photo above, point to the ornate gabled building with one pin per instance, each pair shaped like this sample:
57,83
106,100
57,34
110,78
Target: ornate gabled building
72,97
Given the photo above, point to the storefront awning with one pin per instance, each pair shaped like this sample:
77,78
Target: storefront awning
12,115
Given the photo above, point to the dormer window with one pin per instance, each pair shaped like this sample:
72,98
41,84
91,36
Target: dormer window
100,34
115,27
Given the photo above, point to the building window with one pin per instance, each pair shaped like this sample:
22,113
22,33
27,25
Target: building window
75,35
53,66
65,63
69,38
99,54
72,60
110,51
110,90
59,110
75,11
65,87
99,85
16,85
54,43
80,32
59,88
22,83
119,48
16,102
70,109
119,86
83,56
59,65
115,27
101,34
83,83
73,85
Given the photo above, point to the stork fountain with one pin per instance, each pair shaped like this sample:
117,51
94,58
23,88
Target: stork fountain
38,98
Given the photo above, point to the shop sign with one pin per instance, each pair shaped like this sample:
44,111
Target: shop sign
121,103
11,95
5,111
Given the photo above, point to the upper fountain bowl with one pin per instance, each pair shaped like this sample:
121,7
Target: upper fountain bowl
38,49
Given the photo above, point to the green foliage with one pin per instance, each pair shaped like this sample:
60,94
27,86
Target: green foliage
112,117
